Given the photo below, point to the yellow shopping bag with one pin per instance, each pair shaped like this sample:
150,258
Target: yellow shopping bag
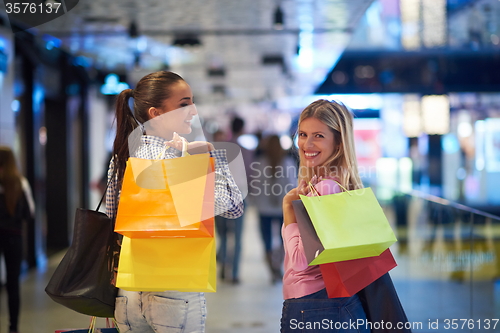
160,264
167,198
350,225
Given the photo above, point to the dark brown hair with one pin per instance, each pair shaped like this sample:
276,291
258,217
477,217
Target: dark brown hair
274,152
151,91
10,179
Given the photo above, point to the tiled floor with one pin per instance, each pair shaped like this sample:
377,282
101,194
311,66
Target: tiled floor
254,305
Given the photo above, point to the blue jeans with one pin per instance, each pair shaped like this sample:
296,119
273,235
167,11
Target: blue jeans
224,228
318,313
266,229
160,312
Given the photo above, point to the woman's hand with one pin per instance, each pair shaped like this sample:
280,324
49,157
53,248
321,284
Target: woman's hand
199,147
176,142
292,195
195,147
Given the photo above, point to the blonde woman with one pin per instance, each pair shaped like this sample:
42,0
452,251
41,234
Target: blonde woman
326,151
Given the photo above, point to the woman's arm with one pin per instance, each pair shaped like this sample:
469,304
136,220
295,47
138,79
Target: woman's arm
288,213
291,235
294,248
112,188
228,198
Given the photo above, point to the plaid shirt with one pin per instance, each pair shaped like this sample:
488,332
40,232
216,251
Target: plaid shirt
228,199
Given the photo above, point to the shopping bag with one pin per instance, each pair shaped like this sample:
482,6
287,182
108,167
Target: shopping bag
381,303
167,198
86,330
83,280
350,225
346,278
310,240
160,264
110,327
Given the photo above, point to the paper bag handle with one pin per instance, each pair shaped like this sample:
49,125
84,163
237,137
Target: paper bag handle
342,187
315,191
184,148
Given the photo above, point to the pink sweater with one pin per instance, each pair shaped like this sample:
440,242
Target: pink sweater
300,279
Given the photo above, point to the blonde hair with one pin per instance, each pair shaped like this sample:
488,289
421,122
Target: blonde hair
342,164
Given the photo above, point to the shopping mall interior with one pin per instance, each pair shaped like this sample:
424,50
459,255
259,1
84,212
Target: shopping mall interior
420,76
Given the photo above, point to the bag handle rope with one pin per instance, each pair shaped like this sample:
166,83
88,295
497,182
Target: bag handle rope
342,187
93,323
315,191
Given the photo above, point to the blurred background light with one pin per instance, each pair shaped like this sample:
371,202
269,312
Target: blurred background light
248,141
450,143
436,114
412,120
15,105
286,142
479,138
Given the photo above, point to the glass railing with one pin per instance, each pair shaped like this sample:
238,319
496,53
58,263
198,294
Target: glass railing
448,274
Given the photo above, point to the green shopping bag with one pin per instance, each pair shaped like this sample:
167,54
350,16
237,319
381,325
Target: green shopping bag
350,225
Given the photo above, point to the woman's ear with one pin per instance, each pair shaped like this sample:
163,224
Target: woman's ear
153,112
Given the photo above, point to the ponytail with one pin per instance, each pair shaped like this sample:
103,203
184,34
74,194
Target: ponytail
125,124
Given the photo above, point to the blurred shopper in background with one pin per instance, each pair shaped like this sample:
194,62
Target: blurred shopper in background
229,256
272,175
16,207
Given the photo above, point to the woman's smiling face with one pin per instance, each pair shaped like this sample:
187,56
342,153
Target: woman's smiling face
176,113
316,142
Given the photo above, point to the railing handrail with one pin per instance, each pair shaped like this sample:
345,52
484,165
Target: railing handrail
446,202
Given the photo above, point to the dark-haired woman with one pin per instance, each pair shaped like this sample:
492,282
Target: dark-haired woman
16,205
162,112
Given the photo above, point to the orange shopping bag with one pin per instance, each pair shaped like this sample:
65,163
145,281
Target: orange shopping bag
167,198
